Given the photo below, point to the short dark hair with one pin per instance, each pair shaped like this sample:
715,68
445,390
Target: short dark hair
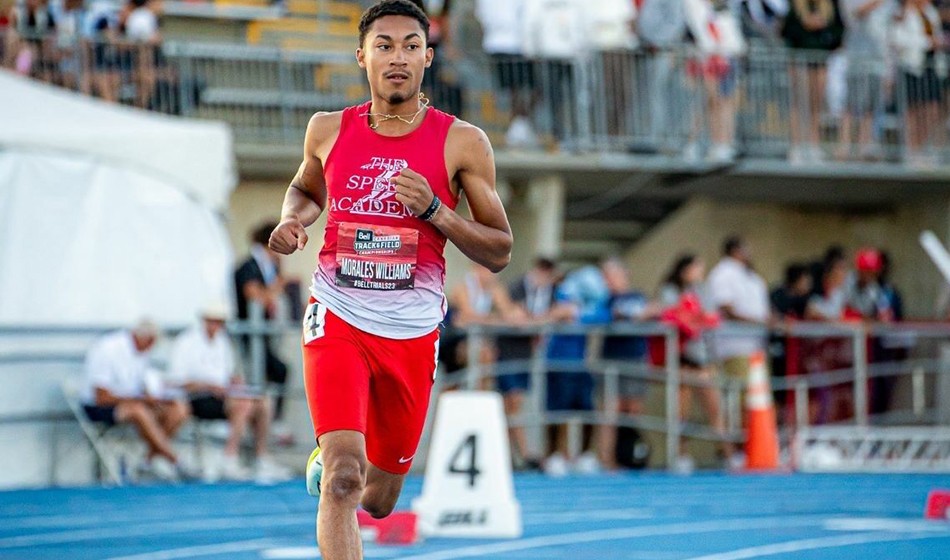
794,272
393,8
261,234
731,244
675,275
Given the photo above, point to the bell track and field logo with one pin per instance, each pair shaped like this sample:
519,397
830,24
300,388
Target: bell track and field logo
366,242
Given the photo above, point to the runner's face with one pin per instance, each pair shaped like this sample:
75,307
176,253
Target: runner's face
395,56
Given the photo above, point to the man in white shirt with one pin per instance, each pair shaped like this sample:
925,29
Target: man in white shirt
202,363
740,295
123,388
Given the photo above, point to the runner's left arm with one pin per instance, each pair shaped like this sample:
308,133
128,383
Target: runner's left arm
486,239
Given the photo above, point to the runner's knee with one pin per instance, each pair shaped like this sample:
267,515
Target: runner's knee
343,477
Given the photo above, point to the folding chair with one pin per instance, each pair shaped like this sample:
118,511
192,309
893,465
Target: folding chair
97,433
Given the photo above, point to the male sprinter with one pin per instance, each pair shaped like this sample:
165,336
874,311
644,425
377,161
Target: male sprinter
390,173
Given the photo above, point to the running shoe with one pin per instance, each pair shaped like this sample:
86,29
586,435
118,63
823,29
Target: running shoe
314,473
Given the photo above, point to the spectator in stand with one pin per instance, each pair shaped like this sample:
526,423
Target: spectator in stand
686,306
661,27
917,37
762,19
718,38
203,365
619,446
866,297
893,347
811,25
29,39
534,294
580,299
790,300
788,303
124,388
739,295
69,22
139,22
868,59
609,32
258,280
829,404
101,31
445,88
553,36
503,39
481,300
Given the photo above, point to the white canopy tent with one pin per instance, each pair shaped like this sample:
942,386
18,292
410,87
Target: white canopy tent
108,214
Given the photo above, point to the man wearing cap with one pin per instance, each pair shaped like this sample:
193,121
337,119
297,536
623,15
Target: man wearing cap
866,297
124,388
202,363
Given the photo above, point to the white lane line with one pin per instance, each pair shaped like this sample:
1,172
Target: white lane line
854,524
152,529
203,550
743,524
814,544
588,515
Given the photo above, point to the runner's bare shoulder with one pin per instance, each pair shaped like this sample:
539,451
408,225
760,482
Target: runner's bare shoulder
322,130
468,145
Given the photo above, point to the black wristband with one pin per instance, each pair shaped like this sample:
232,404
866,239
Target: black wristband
432,209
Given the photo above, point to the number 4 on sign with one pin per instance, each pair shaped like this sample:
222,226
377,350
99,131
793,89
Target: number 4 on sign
458,464
468,490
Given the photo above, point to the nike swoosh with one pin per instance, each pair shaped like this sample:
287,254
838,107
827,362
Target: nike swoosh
403,460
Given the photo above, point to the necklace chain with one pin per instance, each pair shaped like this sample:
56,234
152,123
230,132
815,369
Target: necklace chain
376,118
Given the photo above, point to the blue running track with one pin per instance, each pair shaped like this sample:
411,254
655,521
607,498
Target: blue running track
631,517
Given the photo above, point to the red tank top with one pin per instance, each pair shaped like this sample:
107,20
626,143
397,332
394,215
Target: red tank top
382,269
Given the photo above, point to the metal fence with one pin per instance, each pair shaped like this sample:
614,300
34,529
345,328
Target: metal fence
806,106
905,367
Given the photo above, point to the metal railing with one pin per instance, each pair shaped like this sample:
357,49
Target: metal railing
849,376
857,372
771,103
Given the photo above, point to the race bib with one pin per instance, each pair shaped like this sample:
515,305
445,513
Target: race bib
371,257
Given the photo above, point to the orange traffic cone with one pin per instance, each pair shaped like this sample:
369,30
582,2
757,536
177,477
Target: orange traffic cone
761,449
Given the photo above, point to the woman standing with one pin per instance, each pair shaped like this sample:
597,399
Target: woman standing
680,296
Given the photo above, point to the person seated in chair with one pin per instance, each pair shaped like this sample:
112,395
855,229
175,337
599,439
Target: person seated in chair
202,363
124,388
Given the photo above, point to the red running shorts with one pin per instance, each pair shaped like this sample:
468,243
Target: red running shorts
370,384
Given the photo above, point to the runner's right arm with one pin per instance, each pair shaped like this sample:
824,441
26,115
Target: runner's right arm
307,194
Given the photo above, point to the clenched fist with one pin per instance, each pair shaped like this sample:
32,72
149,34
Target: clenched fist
288,236
413,190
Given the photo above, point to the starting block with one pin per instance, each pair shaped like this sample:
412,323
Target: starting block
400,527
938,505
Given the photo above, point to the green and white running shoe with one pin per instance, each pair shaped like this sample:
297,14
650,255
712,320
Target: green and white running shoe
314,473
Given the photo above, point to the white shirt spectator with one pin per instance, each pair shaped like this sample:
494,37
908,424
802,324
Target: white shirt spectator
198,359
662,23
866,24
610,24
501,25
114,364
732,283
715,32
142,25
908,36
553,28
